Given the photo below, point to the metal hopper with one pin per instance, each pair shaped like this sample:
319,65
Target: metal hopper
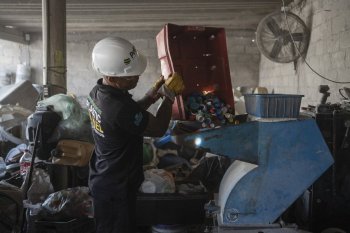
275,162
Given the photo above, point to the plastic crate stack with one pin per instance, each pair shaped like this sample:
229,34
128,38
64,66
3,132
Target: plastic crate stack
273,105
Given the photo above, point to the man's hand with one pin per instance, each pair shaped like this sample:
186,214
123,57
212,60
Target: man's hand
153,92
175,83
160,81
172,87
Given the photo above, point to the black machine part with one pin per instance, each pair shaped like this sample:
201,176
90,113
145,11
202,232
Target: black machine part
48,119
325,107
330,199
345,95
11,209
345,142
323,89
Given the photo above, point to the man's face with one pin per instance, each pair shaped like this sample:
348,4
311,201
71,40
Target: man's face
126,83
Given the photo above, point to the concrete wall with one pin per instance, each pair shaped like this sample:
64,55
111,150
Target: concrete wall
80,75
328,53
242,52
12,54
244,58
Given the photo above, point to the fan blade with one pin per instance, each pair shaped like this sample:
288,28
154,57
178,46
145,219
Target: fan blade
273,26
297,36
276,49
292,49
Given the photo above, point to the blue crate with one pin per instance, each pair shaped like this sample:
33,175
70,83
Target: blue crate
273,105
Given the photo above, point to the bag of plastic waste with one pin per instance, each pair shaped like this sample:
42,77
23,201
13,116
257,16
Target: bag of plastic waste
40,187
11,208
75,123
68,204
158,181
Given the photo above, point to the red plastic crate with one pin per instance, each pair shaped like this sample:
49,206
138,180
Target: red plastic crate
199,54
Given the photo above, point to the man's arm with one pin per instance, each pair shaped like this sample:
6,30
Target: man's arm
158,124
152,95
146,101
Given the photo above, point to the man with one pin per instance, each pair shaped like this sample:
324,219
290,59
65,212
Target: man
119,124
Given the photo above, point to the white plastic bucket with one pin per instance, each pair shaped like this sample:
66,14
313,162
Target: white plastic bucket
22,72
169,229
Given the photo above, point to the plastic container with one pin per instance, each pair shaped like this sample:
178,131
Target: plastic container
148,187
199,55
158,181
25,162
273,105
23,72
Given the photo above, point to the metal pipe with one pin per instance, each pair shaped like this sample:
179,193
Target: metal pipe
54,46
45,35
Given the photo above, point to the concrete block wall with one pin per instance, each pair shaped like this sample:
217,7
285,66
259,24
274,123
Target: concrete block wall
328,53
243,56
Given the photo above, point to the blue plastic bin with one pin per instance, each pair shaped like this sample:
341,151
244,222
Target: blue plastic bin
273,105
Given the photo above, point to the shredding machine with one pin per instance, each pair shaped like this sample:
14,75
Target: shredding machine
274,163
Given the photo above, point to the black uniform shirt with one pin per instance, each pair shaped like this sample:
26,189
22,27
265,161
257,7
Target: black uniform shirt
117,124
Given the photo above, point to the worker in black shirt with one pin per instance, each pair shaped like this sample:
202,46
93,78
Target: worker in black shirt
119,124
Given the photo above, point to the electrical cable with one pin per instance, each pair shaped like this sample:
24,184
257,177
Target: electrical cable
289,31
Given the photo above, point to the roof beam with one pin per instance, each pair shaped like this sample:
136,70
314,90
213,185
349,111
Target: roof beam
13,35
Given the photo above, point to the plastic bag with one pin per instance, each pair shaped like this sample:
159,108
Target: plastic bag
75,123
40,187
15,153
150,159
188,188
210,171
158,181
10,208
69,203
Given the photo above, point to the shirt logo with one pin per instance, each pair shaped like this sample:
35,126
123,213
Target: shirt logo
138,118
95,117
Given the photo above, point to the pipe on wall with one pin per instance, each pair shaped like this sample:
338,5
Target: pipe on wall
45,29
54,46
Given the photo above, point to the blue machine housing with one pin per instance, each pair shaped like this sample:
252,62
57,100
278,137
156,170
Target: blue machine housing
275,162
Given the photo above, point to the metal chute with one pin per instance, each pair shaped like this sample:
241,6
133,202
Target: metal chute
275,162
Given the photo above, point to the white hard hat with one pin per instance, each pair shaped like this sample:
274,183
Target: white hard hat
117,57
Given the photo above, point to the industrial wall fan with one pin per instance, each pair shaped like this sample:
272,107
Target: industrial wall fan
275,35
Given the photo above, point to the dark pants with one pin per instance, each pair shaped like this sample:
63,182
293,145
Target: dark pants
116,214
